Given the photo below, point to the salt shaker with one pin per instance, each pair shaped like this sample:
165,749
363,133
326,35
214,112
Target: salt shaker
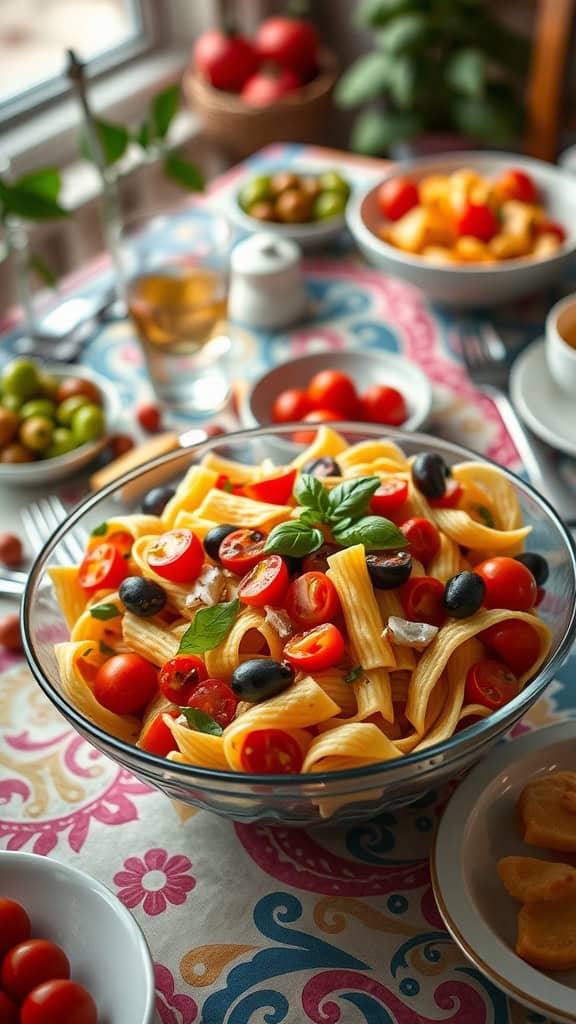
266,285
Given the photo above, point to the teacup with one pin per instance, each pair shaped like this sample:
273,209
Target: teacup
561,344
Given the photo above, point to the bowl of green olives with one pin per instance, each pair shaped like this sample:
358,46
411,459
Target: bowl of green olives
53,420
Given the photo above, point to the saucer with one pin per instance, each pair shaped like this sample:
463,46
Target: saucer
549,413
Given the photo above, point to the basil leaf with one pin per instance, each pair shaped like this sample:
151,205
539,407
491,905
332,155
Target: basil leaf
104,649
353,674
308,517
209,627
352,497
374,532
201,722
100,531
310,492
294,538
104,611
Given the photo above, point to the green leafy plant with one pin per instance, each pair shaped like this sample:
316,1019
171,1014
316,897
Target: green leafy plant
438,65
34,197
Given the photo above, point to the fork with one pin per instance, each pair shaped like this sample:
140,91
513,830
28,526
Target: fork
485,357
40,519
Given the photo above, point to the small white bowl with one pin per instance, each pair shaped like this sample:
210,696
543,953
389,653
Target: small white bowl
107,951
471,284
560,356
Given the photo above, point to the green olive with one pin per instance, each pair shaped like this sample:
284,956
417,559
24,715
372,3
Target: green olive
36,433
88,423
331,181
49,384
254,192
328,204
9,424
67,408
12,402
38,407
20,377
63,441
293,206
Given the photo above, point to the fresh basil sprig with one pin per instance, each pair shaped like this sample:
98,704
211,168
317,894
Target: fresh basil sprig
374,532
209,627
100,531
352,497
201,722
104,611
295,538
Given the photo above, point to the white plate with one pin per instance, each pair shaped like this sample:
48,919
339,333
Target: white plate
548,412
477,829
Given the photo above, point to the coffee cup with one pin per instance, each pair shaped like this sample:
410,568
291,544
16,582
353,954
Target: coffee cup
561,344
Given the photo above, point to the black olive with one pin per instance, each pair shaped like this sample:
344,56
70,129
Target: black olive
429,472
260,678
141,596
156,500
537,565
388,569
318,560
214,538
324,466
464,594
293,564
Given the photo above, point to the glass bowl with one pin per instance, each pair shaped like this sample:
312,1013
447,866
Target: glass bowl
299,800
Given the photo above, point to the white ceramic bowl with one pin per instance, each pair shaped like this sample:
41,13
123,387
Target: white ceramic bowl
471,284
106,948
560,356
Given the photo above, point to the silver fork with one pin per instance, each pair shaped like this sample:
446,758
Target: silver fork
485,355
40,519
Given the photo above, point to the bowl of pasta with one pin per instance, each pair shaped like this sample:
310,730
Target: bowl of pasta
303,641
471,229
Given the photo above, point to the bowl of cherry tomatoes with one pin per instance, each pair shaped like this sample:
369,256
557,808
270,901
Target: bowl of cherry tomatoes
69,950
469,229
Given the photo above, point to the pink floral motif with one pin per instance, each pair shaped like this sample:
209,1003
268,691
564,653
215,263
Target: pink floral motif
156,879
172,1008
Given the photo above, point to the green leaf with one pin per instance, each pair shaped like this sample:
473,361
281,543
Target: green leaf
100,531
354,674
294,538
466,72
39,267
143,134
374,132
113,138
183,171
105,649
403,81
374,532
491,119
104,611
163,110
201,722
44,182
310,492
29,205
352,497
209,627
372,13
404,33
365,79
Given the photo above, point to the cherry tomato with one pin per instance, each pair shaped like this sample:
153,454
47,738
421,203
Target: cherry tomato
77,386
312,599
225,59
10,635
265,583
551,227
422,600
125,683
224,483
119,444
265,87
242,549
331,389
176,556
315,416
102,568
515,643
215,698
149,417
9,1013
389,497
292,42
14,925
396,197
490,683
423,538
179,676
271,752
121,539
156,737
514,184
276,489
59,1002
29,964
478,221
451,497
11,552
290,406
509,584
382,404
318,648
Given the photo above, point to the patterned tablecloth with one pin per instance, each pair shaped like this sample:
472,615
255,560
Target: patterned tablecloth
248,924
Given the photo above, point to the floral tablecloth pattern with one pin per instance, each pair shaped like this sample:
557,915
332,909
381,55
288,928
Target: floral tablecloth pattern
251,924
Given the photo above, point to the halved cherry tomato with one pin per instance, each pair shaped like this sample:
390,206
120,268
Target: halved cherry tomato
551,227
215,698
423,538
515,642
103,568
156,738
290,406
316,649
265,583
29,964
224,483
514,184
271,752
59,1002
389,497
383,404
121,539
179,677
242,549
276,489
125,683
451,497
490,683
316,416
332,389
312,599
509,584
14,925
478,221
422,599
396,197
176,555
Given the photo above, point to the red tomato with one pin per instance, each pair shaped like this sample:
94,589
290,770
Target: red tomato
509,584
176,556
179,676
276,489
316,649
119,444
478,221
292,42
271,752
316,416
490,683
331,389
423,538
125,683
14,925
515,643
382,404
59,1002
121,539
103,568
29,964
515,184
422,600
216,699
156,737
9,1013
225,59
389,497
78,386
312,599
149,417
290,406
551,227
396,197
265,583
266,87
224,483
451,497
242,549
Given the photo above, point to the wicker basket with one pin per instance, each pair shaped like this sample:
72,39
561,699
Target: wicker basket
240,130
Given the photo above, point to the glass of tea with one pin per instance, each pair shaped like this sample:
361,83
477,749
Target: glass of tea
175,268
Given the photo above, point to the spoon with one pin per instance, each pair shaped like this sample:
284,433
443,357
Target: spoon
63,332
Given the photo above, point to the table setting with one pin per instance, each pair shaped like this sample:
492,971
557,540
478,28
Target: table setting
380,903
